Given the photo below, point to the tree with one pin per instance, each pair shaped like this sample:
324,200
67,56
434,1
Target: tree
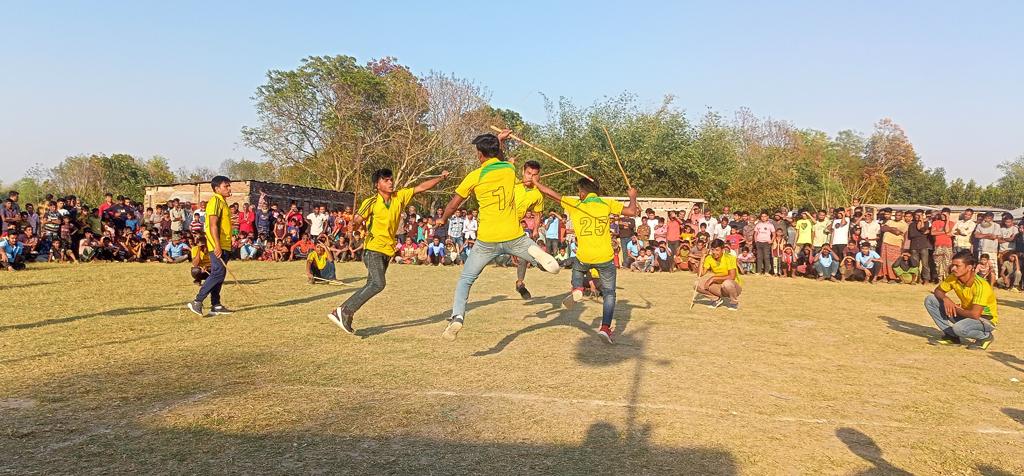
244,169
888,151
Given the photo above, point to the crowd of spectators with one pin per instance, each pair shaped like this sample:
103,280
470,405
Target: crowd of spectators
852,243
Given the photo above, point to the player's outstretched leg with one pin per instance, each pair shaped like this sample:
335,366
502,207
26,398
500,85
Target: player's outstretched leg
534,253
376,267
520,278
483,253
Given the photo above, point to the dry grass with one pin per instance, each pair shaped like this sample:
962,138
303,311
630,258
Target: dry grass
102,370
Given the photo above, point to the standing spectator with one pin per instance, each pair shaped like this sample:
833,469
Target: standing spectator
469,227
763,233
919,234
317,220
963,231
263,218
942,238
177,214
840,233
643,233
651,220
455,224
626,235
10,217
820,230
675,229
869,229
247,220
32,218
894,232
293,219
1007,235
552,225
987,234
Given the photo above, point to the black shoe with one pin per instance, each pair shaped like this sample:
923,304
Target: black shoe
342,318
523,292
196,307
982,344
949,340
220,310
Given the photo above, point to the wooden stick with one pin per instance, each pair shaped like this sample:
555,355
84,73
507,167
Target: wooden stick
616,154
546,153
561,171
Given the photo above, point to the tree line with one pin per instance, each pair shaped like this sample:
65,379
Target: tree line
332,120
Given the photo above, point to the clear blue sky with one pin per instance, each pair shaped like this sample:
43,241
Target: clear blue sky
175,78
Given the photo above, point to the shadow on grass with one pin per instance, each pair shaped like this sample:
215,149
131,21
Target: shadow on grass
299,301
910,328
25,285
124,311
436,318
1015,413
989,470
1008,303
91,346
1009,360
864,447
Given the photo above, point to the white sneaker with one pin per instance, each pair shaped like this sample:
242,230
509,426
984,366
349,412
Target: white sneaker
544,260
454,326
574,297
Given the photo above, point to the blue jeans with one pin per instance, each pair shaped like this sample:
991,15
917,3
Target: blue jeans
957,326
826,272
606,274
483,253
211,287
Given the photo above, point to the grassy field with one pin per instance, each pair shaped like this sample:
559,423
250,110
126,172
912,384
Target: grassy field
102,370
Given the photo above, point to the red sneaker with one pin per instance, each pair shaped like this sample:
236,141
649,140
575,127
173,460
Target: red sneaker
606,333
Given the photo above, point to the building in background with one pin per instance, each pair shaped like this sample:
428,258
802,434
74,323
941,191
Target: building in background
248,191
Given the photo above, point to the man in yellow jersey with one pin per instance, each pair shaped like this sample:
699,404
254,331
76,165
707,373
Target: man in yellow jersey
719,277
217,227
528,199
493,184
381,213
320,263
590,216
976,316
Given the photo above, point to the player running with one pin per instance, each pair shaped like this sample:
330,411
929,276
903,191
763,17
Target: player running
494,186
381,213
590,215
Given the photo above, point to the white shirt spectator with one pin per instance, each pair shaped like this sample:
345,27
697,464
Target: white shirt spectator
841,231
469,228
1007,233
963,233
653,223
316,223
986,245
869,231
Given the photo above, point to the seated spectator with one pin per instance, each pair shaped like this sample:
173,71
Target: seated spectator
31,242
301,249
787,262
696,258
986,270
200,260
682,258
60,254
562,257
320,263
826,264
805,261
745,260
662,258
281,250
355,247
87,247
407,255
906,268
12,252
422,256
644,263
847,268
247,250
719,277
975,316
869,264
466,250
174,252
435,251
633,248
451,252
1009,273
733,241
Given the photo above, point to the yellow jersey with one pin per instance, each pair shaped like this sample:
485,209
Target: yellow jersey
528,200
382,218
204,256
590,222
978,292
218,207
494,186
723,266
318,259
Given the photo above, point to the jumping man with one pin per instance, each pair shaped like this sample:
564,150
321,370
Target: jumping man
381,213
493,184
528,199
218,238
590,217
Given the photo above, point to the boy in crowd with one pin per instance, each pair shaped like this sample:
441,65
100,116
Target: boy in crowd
493,184
869,263
381,213
591,214
722,279
975,316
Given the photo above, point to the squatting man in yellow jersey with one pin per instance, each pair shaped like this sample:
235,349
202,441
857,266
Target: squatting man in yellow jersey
218,238
381,213
493,185
975,316
590,216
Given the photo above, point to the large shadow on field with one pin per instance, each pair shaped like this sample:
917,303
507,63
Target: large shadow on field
295,302
910,328
25,285
864,447
119,312
572,318
436,318
989,470
1009,360
163,424
1015,413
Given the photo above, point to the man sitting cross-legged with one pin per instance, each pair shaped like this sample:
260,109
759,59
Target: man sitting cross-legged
975,317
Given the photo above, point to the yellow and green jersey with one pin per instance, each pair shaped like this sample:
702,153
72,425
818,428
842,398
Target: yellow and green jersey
978,292
528,200
591,224
494,186
382,219
217,209
721,267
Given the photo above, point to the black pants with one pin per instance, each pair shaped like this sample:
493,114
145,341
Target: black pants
376,267
764,257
